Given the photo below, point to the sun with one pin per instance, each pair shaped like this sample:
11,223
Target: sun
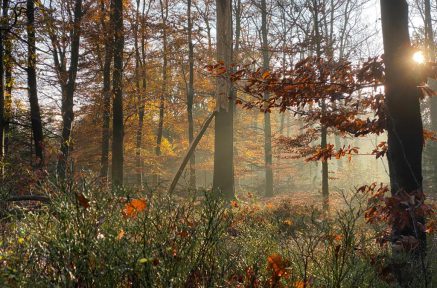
418,57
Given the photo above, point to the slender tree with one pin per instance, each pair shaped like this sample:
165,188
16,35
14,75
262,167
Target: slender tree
190,94
140,86
163,95
117,84
66,74
316,8
430,55
35,114
268,156
8,66
106,27
2,97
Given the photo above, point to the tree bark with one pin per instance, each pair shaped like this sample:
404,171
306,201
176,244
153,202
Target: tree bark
2,103
223,178
324,130
68,87
35,114
8,85
404,123
429,46
117,109
141,86
164,15
268,156
106,90
190,95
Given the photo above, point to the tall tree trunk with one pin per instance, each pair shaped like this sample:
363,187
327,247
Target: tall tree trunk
2,100
236,59
190,96
268,157
8,86
404,123
117,84
223,178
164,15
106,90
430,55
68,89
140,85
35,115
324,130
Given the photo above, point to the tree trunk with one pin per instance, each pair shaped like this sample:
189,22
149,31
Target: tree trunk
164,15
35,114
2,102
190,96
68,89
106,90
429,46
7,62
268,157
223,178
324,130
141,86
117,84
404,123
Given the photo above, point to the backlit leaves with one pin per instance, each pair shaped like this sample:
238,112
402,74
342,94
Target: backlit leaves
134,207
380,150
277,266
403,210
325,154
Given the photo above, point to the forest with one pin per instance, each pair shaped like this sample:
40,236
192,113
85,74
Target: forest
226,143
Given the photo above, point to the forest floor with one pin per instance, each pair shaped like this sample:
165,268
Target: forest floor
88,236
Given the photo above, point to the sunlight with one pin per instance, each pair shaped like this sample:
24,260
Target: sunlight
418,57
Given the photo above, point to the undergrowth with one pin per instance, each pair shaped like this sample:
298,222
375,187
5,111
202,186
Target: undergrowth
90,236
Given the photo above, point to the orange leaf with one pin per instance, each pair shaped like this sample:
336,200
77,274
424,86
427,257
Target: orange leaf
276,264
120,234
265,75
135,206
338,237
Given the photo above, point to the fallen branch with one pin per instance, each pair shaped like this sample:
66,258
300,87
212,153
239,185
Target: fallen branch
39,198
190,151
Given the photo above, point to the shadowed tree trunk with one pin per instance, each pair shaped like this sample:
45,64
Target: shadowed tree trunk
163,94
2,100
190,95
35,115
117,108
66,78
223,178
106,90
7,62
404,123
268,157
141,86
164,16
